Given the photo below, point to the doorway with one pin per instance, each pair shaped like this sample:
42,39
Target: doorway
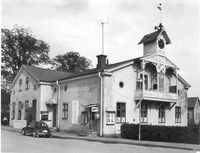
54,107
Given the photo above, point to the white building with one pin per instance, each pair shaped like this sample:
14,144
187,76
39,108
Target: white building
107,96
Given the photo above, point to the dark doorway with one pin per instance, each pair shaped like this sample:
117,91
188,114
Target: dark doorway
34,107
54,106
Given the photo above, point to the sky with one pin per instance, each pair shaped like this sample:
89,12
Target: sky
75,25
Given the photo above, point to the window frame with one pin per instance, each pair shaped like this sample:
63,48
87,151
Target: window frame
121,112
20,85
161,115
13,110
65,111
27,83
110,117
177,114
144,113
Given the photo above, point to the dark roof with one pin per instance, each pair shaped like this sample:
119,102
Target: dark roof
192,101
46,75
153,36
95,70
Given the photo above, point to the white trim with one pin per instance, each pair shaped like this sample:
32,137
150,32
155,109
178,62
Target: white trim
78,78
121,66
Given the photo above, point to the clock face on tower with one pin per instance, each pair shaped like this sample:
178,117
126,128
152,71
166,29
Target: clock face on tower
161,43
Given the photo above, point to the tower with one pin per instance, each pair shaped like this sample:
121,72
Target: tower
155,43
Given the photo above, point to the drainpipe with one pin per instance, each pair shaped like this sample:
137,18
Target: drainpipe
58,105
101,105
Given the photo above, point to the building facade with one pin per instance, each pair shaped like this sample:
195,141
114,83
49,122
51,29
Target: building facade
146,90
193,111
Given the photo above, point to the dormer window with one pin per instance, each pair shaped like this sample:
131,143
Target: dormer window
20,85
27,83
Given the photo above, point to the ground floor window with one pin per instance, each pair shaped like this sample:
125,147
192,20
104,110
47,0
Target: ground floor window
26,110
144,110
110,118
177,114
121,112
13,110
161,115
20,107
65,111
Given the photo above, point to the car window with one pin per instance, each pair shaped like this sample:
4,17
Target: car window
41,124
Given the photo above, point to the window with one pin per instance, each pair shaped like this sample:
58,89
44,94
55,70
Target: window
44,115
139,82
121,112
177,114
26,110
161,82
161,115
121,84
110,119
35,87
20,85
27,83
144,109
65,87
84,117
19,110
13,111
146,82
54,89
65,111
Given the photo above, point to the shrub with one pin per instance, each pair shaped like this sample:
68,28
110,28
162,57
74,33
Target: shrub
162,133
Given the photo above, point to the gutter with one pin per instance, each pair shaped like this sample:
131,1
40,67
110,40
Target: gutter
58,106
101,105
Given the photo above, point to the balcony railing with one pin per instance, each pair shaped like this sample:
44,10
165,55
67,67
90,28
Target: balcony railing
155,95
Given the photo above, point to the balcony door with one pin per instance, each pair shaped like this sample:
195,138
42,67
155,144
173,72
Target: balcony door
161,82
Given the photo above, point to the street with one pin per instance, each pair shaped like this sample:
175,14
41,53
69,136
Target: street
14,142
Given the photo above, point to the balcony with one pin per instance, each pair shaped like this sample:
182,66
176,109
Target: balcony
157,96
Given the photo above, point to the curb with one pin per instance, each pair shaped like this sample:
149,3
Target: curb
142,143
112,141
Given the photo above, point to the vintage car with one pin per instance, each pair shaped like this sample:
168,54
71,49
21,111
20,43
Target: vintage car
36,129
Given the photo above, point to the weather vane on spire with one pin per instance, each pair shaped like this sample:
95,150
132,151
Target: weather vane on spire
160,9
160,25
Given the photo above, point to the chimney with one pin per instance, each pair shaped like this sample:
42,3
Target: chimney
101,61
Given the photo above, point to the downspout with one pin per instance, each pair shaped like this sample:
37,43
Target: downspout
101,105
58,105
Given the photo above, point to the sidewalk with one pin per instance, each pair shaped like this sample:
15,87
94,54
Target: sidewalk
63,135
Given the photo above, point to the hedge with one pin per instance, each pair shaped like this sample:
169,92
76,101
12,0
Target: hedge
177,134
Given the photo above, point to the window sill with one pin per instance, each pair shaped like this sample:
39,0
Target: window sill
110,124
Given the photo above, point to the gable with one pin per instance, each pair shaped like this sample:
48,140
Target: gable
153,36
40,74
161,60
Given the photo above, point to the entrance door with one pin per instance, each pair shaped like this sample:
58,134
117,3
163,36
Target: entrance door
34,110
54,106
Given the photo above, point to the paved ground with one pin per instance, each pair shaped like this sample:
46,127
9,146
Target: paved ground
16,143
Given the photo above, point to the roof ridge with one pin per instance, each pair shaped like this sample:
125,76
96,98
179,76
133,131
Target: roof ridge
46,69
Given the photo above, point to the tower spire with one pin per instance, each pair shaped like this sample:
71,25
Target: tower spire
160,10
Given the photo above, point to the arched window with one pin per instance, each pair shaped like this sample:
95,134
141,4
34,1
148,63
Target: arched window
20,85
27,83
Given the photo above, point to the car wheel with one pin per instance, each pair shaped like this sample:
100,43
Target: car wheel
23,132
